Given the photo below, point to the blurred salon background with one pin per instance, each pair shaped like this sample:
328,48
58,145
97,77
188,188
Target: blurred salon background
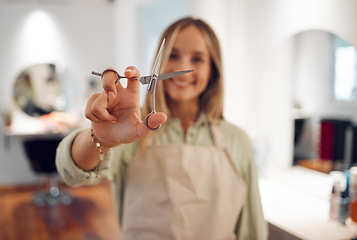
290,82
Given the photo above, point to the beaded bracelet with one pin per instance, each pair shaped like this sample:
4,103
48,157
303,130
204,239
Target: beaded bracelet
100,155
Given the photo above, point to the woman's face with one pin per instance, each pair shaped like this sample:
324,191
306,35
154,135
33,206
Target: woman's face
190,52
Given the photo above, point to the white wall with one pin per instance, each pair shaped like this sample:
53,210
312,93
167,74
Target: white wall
79,39
83,35
258,95
265,108
138,26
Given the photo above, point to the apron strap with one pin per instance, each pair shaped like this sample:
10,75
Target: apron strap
219,142
217,134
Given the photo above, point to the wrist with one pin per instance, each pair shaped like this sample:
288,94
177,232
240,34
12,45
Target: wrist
99,150
103,141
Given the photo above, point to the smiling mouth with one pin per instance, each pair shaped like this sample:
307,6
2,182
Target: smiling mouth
181,83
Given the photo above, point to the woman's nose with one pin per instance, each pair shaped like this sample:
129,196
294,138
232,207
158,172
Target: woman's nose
184,64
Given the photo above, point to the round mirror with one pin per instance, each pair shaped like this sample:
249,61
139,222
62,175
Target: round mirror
38,90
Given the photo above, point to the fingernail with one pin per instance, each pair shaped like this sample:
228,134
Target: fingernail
128,70
111,94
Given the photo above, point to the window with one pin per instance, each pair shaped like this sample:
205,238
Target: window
345,82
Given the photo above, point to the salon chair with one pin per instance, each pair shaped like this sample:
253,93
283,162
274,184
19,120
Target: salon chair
42,154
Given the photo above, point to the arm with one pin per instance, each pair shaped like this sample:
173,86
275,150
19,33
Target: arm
84,152
115,118
251,224
71,173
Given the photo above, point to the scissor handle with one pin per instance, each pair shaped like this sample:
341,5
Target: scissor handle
151,89
112,70
146,121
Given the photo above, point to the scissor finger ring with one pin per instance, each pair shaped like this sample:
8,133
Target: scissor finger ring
147,124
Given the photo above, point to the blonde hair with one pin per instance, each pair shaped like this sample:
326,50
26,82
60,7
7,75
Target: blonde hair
211,100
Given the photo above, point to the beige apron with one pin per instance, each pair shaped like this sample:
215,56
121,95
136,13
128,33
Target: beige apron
182,192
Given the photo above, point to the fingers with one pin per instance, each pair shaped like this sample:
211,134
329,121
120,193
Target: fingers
109,78
156,119
133,84
153,121
110,100
132,72
96,108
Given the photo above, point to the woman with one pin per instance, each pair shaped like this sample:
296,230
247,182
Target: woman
195,177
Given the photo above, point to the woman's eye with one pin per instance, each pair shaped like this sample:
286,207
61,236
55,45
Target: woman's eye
173,56
197,59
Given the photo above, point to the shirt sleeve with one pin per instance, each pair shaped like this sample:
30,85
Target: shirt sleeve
251,224
112,168
73,175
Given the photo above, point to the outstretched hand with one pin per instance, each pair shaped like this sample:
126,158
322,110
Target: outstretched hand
115,112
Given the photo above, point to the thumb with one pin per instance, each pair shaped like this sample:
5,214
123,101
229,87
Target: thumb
156,119
153,121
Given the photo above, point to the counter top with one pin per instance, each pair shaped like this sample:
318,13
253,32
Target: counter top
297,200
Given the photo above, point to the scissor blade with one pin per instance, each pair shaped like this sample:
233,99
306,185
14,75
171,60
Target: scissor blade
157,64
146,79
164,76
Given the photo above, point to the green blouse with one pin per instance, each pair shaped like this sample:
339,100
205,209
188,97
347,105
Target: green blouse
251,223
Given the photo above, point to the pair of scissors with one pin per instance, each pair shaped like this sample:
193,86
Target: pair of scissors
151,80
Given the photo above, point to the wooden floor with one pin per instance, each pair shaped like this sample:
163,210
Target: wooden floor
90,216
